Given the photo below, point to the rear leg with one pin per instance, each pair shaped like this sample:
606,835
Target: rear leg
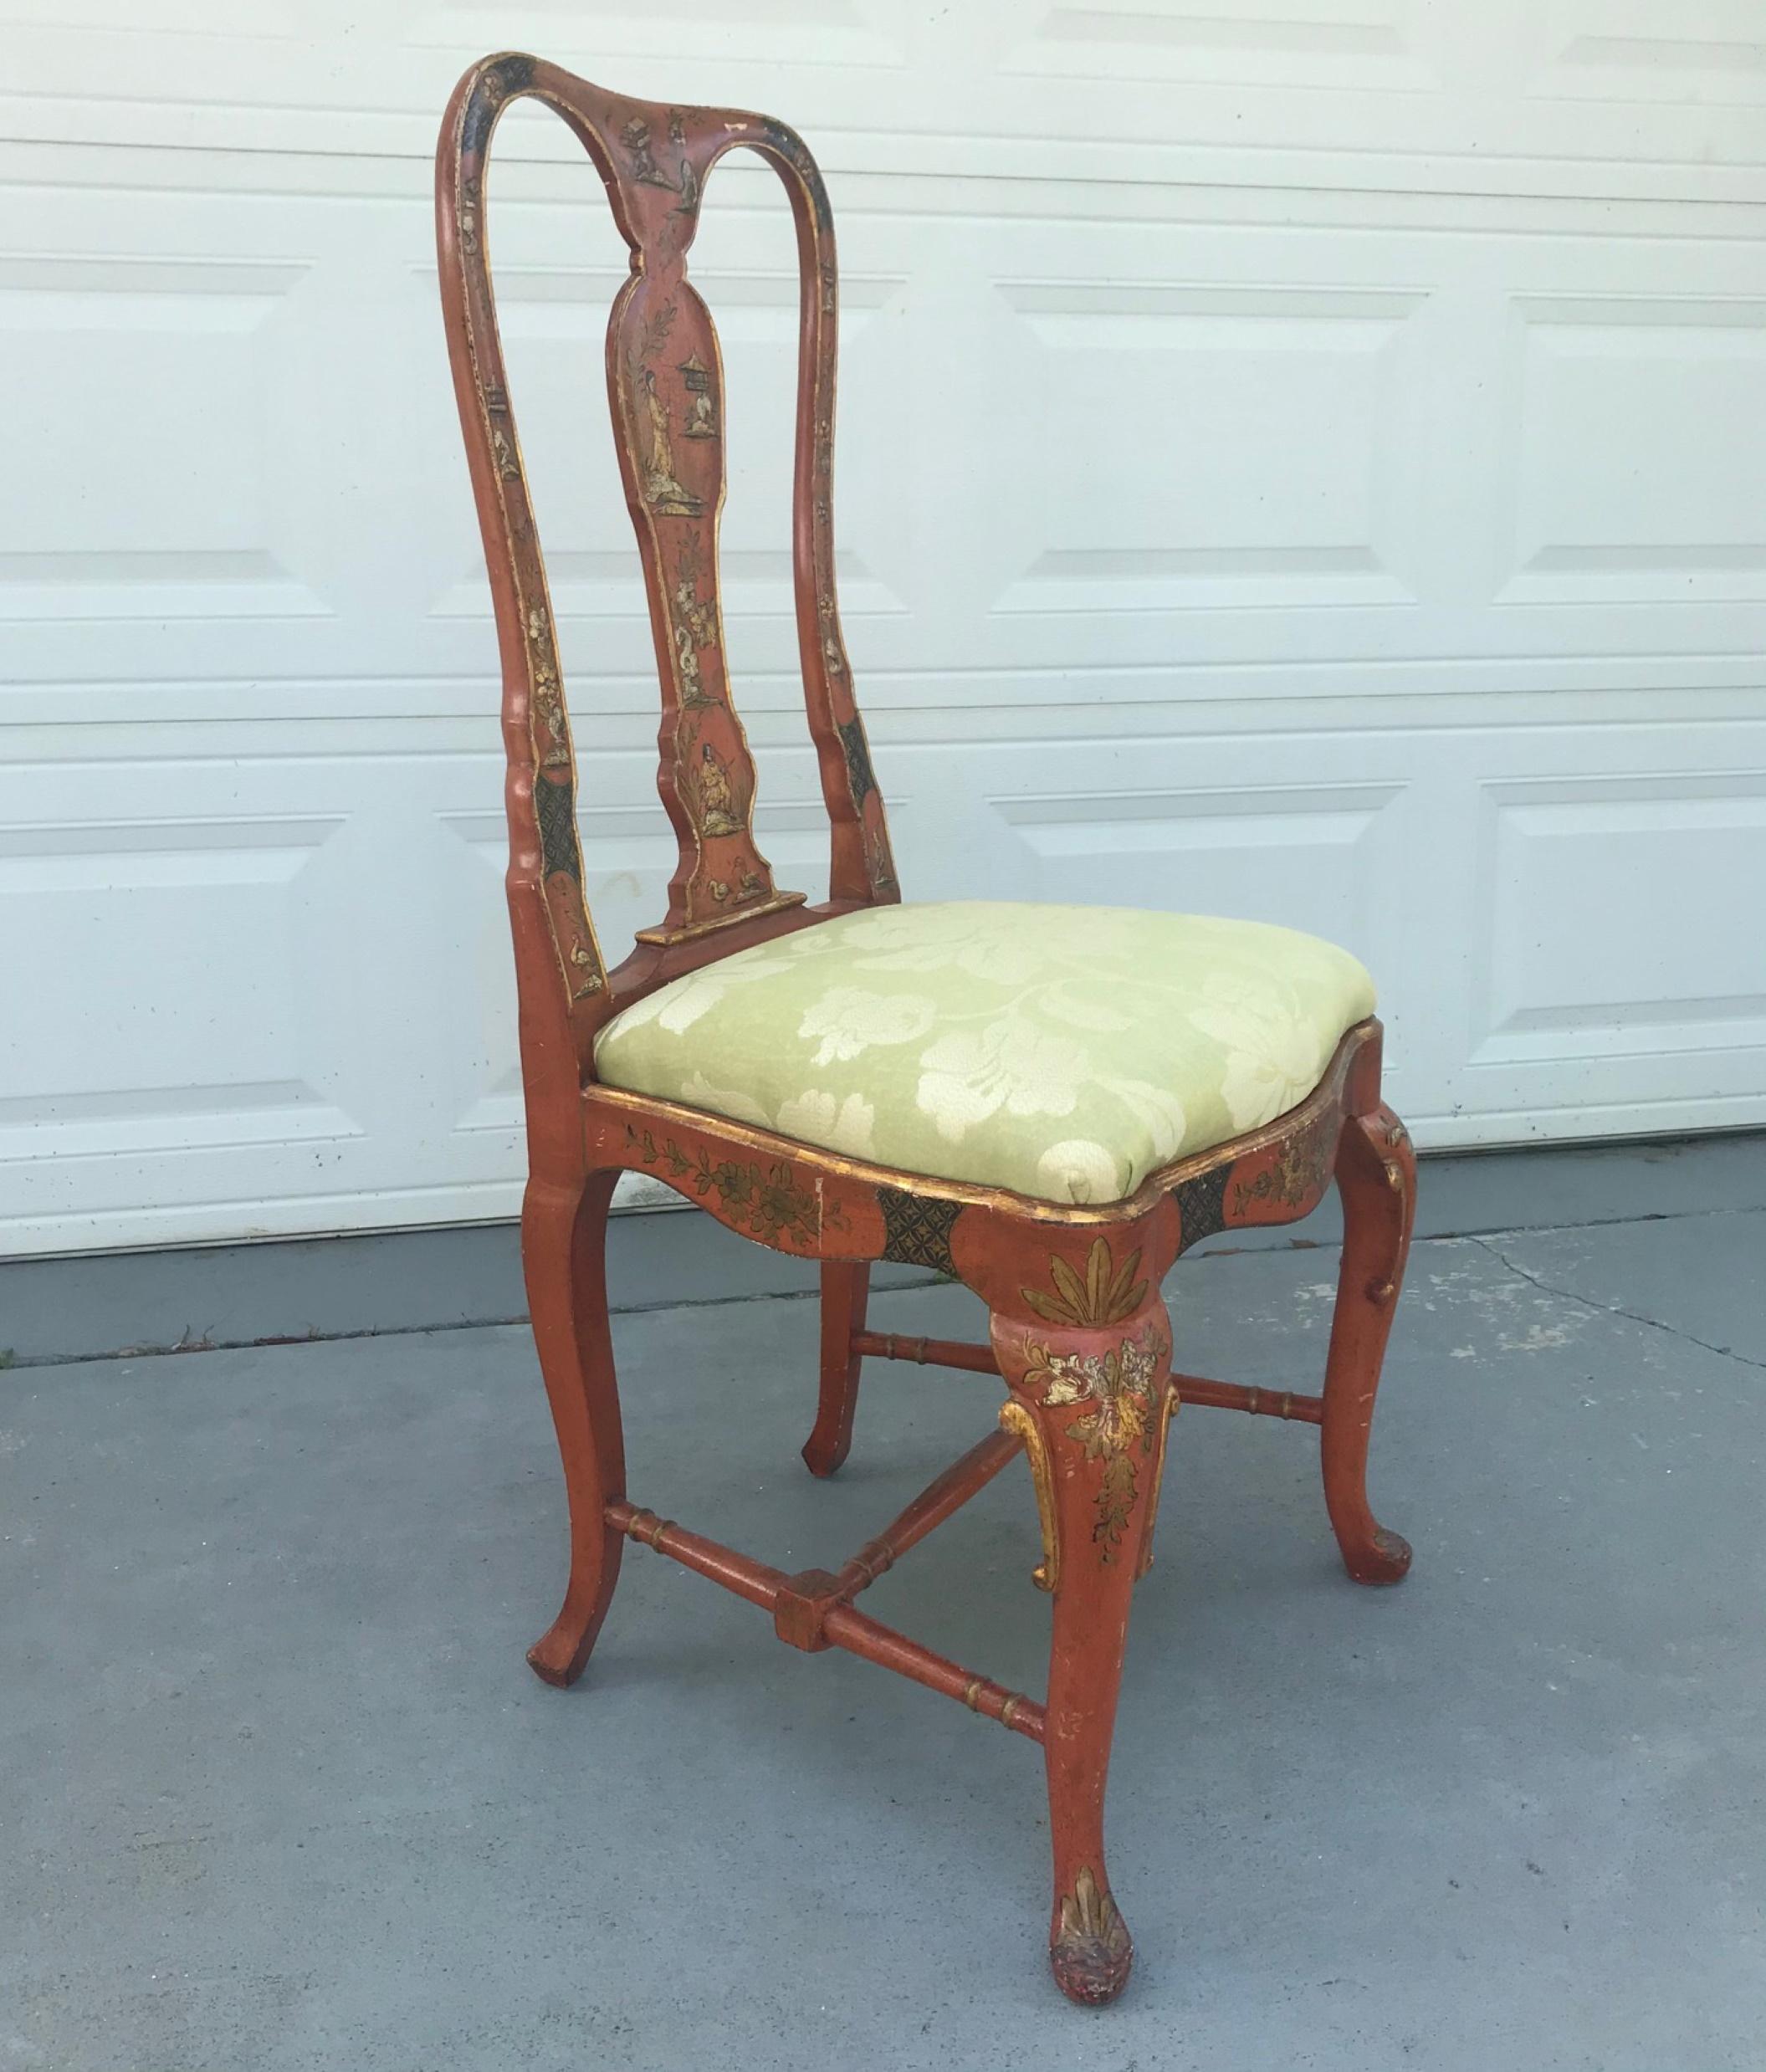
846,1286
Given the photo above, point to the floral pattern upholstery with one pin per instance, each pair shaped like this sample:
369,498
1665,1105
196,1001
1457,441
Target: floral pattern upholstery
1064,1053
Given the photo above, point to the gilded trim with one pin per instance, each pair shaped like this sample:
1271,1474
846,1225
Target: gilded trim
1016,1418
661,933
1092,1951
1165,1416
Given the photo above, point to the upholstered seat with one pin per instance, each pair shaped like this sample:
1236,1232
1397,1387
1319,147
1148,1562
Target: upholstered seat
1064,1053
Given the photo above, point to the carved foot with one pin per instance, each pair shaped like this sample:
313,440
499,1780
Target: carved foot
1384,1558
824,1456
560,1654
1092,1951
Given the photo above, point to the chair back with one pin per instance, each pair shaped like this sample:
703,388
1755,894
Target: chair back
665,388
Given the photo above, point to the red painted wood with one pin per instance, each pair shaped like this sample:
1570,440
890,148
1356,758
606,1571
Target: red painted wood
1228,1395
981,1359
563,1235
817,1618
977,1360
1079,1333
860,1634
1376,1174
845,1285
759,1583
1084,1345
941,1499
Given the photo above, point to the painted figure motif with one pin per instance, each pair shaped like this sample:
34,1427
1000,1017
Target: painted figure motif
719,814
636,136
666,496
695,622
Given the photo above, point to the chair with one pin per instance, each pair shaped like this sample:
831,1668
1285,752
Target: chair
1048,1103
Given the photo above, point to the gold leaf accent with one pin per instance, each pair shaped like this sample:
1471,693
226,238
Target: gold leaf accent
769,1201
1297,1168
1014,1417
1165,1416
1106,1295
1088,1914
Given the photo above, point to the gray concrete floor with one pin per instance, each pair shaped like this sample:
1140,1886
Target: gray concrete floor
278,1792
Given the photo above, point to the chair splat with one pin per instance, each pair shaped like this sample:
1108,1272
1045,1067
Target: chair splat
665,388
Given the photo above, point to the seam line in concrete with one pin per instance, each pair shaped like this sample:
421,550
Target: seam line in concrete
1480,1237
1615,1309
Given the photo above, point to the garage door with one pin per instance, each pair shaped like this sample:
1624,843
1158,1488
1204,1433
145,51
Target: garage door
1302,461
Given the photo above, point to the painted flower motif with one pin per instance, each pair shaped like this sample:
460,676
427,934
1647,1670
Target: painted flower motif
970,1074
849,1020
1272,1056
1115,1391
1117,1384
821,1118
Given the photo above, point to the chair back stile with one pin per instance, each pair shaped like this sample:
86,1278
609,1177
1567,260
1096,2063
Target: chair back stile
665,391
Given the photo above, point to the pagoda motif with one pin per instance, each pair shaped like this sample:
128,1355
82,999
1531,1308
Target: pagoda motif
701,413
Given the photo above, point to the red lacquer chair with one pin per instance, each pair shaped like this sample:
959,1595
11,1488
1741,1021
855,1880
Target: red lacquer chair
1050,1104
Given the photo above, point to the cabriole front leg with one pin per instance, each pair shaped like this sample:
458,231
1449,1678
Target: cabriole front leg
1376,1178
1089,1399
564,1226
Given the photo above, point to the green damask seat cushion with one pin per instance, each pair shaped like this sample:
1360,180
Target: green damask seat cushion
1065,1052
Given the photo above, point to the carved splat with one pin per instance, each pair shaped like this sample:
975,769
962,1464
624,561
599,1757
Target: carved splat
665,386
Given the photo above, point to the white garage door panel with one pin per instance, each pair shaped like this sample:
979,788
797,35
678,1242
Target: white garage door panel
1663,514
1511,85
1613,920
1586,886
1299,461
116,914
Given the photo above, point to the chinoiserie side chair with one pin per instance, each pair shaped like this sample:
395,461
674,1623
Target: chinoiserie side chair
1049,1103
